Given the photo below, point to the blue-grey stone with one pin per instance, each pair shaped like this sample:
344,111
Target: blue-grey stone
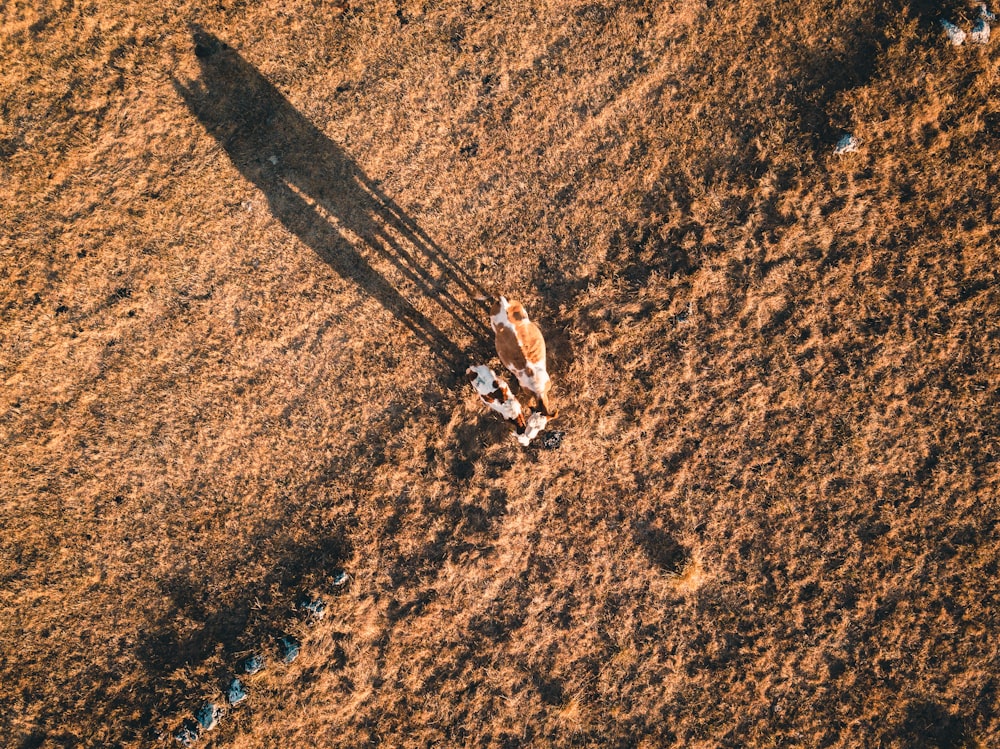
253,664
289,648
208,716
316,608
980,32
187,736
236,693
341,579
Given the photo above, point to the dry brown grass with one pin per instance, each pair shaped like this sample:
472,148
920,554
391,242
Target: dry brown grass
772,518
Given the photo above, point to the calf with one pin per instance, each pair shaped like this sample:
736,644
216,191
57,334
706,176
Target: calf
494,393
522,350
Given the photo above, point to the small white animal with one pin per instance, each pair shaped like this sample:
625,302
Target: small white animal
522,350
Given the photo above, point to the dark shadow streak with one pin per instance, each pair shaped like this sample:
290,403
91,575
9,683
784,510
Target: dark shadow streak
316,190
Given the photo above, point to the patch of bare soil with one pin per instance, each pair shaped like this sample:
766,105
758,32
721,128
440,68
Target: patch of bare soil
249,250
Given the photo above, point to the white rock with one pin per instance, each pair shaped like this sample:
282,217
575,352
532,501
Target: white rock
954,33
341,579
980,32
847,144
985,14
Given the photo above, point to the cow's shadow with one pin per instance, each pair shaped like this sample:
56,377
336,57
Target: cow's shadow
322,196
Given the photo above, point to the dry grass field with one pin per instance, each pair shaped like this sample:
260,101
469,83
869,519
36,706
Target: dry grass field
248,250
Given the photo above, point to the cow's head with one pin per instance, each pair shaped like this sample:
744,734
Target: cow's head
513,311
488,387
544,398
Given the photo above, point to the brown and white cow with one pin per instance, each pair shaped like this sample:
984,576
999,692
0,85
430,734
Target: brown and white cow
522,350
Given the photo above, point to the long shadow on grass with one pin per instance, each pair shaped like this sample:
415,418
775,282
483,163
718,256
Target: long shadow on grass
851,58
322,196
199,629
193,650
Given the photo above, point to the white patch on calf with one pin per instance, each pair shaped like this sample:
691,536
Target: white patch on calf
536,423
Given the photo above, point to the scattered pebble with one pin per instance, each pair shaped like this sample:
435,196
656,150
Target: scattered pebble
273,160
341,579
847,144
253,664
208,716
955,34
980,32
187,736
289,648
236,693
316,608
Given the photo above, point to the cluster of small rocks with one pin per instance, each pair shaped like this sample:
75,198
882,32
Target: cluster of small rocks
552,440
208,715
980,34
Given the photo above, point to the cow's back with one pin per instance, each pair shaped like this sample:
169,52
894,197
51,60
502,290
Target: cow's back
532,343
